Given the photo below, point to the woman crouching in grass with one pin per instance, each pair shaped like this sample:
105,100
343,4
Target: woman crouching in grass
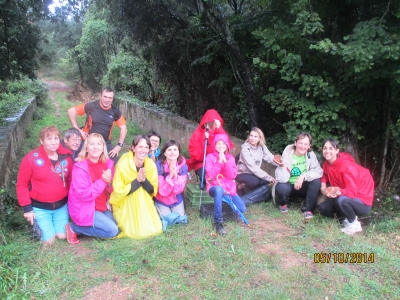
90,190
351,190
172,176
42,186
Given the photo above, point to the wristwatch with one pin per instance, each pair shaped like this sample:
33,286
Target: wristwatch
120,144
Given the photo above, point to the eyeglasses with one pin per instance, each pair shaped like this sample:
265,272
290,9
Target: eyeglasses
155,141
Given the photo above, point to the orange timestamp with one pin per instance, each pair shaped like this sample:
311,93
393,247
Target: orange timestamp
344,258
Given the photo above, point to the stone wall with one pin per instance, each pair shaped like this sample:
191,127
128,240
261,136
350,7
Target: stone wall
168,125
11,137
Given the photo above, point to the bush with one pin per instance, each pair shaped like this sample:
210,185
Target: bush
14,96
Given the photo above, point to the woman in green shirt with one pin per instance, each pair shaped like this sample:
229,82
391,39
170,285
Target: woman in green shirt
298,176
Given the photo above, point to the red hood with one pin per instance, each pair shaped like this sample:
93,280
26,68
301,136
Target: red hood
210,116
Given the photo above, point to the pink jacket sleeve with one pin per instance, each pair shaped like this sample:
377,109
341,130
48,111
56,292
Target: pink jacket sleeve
175,186
229,169
213,167
84,188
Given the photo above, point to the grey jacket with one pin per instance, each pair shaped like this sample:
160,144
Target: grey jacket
314,170
251,159
282,174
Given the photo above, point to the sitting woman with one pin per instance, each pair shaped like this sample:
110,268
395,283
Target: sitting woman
220,174
42,186
351,191
253,152
210,125
172,176
155,141
135,184
299,175
89,192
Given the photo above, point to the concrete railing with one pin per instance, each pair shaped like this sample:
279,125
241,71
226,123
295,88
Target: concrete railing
171,126
11,137
167,124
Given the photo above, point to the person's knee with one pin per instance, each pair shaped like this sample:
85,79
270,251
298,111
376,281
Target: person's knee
327,209
112,231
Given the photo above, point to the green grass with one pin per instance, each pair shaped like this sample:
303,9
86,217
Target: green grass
272,259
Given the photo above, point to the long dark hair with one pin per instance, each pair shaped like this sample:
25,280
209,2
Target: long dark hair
333,142
166,146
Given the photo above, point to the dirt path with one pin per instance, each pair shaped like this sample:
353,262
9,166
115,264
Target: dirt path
56,86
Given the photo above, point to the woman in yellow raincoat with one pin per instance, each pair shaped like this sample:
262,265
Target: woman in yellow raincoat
135,184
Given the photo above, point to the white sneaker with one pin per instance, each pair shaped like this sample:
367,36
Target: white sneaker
352,228
345,223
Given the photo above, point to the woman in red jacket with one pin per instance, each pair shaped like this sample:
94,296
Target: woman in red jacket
43,181
210,125
351,190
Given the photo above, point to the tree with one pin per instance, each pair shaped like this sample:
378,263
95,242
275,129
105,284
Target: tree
20,36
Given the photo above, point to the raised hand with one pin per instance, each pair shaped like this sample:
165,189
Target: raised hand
106,176
141,175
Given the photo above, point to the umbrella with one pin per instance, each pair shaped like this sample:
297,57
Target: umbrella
228,199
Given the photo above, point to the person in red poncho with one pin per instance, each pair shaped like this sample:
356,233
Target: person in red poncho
210,125
351,187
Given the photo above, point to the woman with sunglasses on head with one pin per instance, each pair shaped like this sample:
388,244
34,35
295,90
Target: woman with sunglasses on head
351,187
298,176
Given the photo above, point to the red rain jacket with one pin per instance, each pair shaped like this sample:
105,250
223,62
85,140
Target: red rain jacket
196,142
353,180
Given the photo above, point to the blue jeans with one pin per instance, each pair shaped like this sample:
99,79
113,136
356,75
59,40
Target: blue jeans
217,193
51,221
104,226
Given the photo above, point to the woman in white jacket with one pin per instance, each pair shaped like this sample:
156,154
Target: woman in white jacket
299,175
253,152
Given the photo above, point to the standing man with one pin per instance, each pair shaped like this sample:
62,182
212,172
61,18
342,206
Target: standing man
101,116
71,144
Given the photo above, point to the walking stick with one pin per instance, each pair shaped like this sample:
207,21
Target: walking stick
202,181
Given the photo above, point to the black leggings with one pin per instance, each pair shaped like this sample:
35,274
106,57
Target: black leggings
345,206
251,181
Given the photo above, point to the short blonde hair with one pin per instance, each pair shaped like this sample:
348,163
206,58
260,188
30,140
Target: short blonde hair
260,133
83,154
47,131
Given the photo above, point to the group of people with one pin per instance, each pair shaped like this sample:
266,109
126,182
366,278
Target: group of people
79,185
347,186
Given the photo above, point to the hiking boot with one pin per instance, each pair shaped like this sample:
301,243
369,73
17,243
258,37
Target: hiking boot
72,238
283,208
352,228
308,215
219,228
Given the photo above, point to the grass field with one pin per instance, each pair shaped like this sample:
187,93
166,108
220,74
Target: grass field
277,257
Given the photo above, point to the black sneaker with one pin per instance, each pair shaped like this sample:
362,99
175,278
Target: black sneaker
219,228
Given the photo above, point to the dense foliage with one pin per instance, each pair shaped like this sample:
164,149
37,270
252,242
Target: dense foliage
327,67
20,37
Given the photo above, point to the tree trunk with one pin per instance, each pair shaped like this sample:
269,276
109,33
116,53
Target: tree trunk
221,23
